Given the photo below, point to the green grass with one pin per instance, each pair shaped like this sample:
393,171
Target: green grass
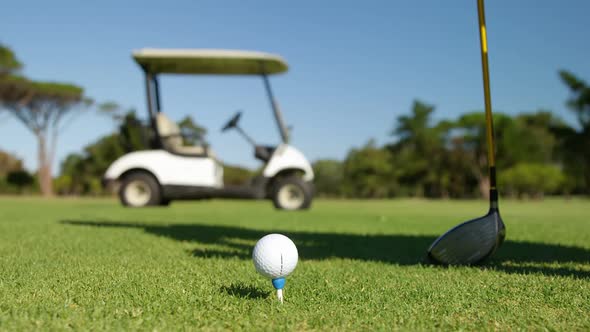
90,264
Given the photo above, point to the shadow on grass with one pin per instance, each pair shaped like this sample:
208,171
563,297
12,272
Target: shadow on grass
243,291
512,257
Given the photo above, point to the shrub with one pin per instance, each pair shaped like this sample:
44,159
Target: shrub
533,180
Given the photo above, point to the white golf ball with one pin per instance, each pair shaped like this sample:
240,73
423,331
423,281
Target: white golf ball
275,256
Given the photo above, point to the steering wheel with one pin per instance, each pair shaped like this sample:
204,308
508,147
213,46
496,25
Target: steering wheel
233,122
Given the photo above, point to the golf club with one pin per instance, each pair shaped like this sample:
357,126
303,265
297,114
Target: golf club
474,241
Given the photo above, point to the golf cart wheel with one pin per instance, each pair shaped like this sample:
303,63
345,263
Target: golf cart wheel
140,189
291,193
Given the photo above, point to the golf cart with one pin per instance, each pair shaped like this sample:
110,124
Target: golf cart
172,171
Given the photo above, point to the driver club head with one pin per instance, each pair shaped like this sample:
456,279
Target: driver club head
470,242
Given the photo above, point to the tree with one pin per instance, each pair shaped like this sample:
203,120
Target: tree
81,172
471,128
19,179
236,175
463,171
13,177
73,176
575,144
329,175
42,108
526,137
368,173
134,134
192,133
9,163
579,101
419,153
414,130
111,109
532,180
532,139
9,63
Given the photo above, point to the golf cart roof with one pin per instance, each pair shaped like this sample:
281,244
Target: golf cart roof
209,61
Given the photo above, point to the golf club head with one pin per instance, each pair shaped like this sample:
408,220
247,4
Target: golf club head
470,242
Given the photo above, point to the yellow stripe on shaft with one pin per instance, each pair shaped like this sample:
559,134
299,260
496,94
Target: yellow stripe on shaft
486,83
484,39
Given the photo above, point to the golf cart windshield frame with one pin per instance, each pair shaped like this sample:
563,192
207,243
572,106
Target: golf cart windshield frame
152,87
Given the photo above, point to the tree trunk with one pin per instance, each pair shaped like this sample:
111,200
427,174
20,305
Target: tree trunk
484,178
44,173
484,186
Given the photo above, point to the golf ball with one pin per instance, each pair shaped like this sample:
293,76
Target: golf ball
275,256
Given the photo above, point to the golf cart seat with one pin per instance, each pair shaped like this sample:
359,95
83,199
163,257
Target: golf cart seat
171,138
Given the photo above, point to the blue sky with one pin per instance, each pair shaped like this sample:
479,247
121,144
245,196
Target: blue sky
354,66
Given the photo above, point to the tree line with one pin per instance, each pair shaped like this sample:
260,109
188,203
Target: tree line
538,152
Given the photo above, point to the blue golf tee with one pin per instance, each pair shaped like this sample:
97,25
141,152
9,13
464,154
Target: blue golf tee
279,283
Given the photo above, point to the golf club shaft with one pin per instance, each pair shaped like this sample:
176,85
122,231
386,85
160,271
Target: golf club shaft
488,104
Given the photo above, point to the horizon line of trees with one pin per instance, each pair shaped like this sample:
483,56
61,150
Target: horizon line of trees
538,153
448,160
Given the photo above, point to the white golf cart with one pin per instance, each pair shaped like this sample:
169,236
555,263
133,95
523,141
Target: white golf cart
171,171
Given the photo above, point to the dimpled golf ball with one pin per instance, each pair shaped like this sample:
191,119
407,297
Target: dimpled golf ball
275,256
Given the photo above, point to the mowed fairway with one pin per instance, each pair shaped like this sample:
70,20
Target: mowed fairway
91,264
